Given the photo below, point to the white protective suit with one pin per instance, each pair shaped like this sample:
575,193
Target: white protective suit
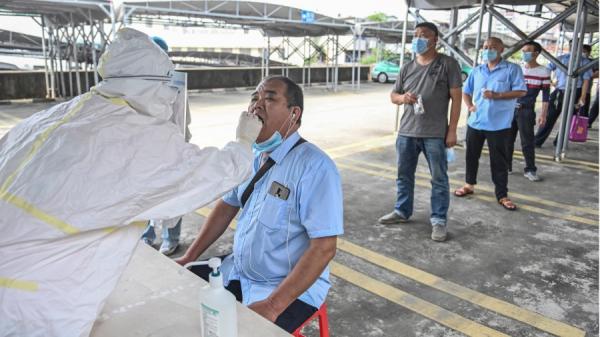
79,181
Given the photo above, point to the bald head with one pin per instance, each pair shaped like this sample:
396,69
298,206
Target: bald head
495,40
492,49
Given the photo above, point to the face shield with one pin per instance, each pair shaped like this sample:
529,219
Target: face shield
136,69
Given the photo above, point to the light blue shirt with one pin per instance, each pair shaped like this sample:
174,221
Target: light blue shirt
562,76
272,234
493,114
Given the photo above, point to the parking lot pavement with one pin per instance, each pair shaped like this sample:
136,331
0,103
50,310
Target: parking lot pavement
533,272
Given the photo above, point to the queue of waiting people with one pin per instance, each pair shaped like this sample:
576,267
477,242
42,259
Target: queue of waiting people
500,97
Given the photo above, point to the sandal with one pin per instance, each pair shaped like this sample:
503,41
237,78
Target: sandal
507,204
463,191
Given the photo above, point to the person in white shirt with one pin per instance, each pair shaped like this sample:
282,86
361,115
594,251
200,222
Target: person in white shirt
537,78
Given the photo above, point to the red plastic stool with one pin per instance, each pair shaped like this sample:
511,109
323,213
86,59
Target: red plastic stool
321,314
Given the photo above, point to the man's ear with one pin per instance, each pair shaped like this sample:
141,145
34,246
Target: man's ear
296,113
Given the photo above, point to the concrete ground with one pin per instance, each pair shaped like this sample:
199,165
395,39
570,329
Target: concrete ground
533,272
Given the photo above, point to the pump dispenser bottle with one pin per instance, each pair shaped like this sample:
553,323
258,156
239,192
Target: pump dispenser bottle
218,306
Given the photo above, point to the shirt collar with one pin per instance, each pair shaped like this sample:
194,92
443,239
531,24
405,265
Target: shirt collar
282,150
500,65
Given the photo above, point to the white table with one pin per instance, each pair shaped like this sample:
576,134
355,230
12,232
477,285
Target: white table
153,298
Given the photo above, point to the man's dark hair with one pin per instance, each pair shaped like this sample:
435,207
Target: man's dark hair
536,46
429,25
587,48
293,92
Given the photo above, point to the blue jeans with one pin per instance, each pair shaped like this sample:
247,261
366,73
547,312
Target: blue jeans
408,149
168,234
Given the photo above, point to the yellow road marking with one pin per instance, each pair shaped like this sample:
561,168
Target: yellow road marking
18,284
425,183
370,144
366,145
507,309
551,203
413,303
564,162
9,118
37,213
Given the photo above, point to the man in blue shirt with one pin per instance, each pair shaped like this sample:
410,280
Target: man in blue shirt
288,226
557,96
495,86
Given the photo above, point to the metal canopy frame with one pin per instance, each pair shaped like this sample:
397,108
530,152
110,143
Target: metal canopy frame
580,16
75,32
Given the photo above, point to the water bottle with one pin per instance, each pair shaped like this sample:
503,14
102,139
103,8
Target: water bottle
418,106
450,155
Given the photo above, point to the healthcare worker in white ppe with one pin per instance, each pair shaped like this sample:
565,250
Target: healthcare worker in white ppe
79,181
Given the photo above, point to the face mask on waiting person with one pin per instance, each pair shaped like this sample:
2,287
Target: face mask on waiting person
527,56
419,45
488,55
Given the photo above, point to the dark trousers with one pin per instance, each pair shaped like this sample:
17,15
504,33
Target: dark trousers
523,123
586,107
554,110
593,111
289,320
498,147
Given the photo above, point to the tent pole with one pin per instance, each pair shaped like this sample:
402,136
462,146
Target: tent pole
479,27
571,85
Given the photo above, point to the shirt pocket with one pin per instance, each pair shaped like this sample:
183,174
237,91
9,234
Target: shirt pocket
500,86
274,213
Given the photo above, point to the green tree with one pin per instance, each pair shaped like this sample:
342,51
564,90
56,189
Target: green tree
377,17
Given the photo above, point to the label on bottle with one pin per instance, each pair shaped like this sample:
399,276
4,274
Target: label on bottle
210,320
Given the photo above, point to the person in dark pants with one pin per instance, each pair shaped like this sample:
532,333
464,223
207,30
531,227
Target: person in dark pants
587,52
593,112
557,96
537,78
494,86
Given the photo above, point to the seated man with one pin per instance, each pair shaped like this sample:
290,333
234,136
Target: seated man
287,231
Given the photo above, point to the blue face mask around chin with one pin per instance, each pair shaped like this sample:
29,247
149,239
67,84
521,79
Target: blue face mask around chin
419,45
527,56
488,55
268,145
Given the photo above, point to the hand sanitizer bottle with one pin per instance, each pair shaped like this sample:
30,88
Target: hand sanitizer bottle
218,306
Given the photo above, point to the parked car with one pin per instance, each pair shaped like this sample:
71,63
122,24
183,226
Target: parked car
387,71
465,71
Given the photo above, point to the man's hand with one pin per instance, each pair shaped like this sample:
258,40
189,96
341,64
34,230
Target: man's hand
183,260
451,138
489,94
248,128
542,120
409,98
266,309
472,108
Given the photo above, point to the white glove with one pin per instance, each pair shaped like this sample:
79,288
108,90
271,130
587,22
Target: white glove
248,128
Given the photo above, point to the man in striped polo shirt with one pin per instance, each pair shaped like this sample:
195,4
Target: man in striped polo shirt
537,78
